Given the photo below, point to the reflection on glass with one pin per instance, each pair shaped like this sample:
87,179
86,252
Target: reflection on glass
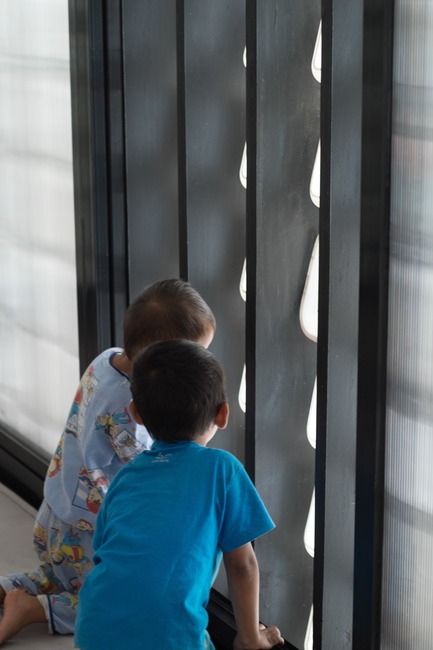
311,422
310,298
315,179
243,282
308,643
309,528
309,324
407,588
243,168
316,62
242,392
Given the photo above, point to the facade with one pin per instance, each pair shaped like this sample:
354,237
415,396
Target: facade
277,155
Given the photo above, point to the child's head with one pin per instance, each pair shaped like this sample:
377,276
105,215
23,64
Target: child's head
178,388
169,309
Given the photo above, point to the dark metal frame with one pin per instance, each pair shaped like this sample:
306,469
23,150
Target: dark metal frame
373,320
251,238
257,382
222,627
22,469
354,236
90,175
99,173
181,139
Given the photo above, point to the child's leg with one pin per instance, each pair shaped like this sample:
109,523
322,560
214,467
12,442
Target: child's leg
19,610
65,553
21,603
70,552
59,608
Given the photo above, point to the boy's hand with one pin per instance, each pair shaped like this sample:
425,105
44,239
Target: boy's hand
267,637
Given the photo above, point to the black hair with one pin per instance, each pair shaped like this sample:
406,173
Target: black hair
168,309
178,387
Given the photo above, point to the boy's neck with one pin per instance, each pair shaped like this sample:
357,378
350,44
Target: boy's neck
121,362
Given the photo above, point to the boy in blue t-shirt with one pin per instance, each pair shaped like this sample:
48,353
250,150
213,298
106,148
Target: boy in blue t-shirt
171,515
99,437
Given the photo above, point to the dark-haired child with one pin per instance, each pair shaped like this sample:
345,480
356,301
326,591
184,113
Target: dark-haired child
171,515
100,436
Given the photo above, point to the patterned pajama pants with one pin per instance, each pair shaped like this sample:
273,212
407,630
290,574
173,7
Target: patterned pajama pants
65,554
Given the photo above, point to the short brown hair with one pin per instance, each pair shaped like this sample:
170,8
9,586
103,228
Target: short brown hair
168,309
178,387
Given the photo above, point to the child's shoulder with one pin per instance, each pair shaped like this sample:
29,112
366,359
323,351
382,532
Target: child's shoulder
223,456
107,359
102,371
109,353
104,357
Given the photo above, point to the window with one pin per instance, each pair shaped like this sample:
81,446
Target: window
38,301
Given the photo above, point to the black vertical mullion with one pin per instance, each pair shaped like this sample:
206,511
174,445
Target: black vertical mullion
356,108
181,140
251,237
373,321
323,324
117,193
341,119
90,176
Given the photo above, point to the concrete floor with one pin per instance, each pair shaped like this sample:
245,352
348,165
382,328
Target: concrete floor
16,554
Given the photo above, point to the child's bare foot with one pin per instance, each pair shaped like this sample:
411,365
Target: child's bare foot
20,609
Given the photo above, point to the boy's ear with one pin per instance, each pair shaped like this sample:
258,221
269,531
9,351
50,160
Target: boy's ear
222,416
134,412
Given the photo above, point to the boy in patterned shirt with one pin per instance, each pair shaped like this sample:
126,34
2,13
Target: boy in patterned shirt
100,436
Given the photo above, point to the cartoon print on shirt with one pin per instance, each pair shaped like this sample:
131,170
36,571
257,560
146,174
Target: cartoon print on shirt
83,524
89,494
56,461
72,421
71,546
86,389
99,480
94,500
76,584
110,422
123,441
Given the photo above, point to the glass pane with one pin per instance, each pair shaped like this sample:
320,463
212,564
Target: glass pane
408,524
38,310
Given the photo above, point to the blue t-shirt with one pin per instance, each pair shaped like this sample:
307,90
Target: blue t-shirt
161,531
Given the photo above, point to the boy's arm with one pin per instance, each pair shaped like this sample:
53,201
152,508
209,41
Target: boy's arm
243,582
